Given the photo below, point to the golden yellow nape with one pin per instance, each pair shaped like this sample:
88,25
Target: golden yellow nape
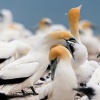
73,18
60,35
86,24
12,26
59,51
43,22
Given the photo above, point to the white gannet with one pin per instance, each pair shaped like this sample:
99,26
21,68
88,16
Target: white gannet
25,71
10,30
46,26
10,51
86,28
7,18
62,75
88,38
84,71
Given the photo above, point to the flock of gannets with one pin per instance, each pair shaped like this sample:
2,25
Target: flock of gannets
25,57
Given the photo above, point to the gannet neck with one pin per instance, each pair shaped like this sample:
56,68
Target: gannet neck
73,17
57,35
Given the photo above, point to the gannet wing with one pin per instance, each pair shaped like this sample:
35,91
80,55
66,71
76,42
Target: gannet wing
19,71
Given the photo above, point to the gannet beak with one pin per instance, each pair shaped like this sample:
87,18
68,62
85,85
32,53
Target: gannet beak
53,66
34,28
98,55
49,24
94,27
80,7
70,48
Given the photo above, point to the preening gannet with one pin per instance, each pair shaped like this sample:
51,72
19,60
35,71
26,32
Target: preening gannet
25,71
62,75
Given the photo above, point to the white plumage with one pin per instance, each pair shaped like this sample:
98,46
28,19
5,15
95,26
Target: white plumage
37,56
61,87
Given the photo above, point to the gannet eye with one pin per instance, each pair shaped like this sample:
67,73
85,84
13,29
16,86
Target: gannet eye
72,40
47,23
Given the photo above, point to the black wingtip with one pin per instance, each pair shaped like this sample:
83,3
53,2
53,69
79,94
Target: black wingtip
3,96
8,97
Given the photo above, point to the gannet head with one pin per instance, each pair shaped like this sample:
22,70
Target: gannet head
60,52
57,53
74,14
73,17
57,35
87,26
8,17
45,23
78,51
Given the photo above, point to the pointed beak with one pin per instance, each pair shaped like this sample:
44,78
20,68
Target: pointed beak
34,28
70,48
53,66
94,27
80,7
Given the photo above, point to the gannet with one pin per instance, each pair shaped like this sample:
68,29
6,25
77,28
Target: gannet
10,30
10,51
25,71
62,75
46,25
87,36
84,71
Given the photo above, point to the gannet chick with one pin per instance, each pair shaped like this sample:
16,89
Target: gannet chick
24,72
62,76
87,67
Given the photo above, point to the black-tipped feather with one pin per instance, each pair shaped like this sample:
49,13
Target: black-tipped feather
8,97
12,81
3,59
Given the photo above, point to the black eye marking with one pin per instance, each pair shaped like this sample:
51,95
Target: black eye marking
47,23
72,40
